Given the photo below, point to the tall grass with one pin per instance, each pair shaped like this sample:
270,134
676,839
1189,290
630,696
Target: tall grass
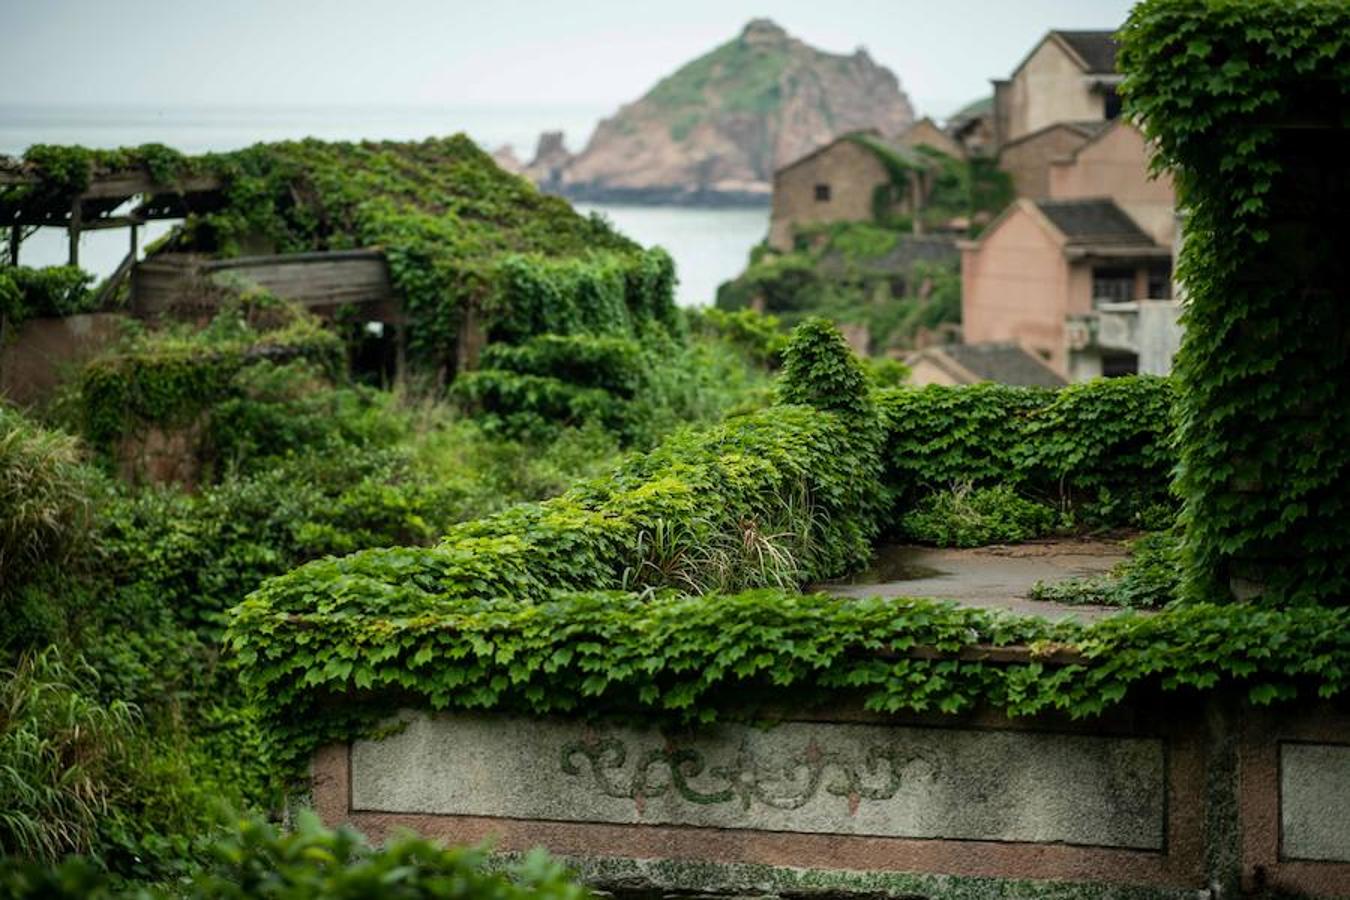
45,497
64,757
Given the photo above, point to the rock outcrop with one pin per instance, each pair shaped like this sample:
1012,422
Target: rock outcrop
550,161
717,129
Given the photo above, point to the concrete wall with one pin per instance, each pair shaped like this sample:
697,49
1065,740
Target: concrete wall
1028,160
39,355
1115,165
1049,88
1015,286
852,173
1161,799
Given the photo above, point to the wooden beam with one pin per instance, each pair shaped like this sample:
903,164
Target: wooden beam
135,229
73,228
15,238
110,222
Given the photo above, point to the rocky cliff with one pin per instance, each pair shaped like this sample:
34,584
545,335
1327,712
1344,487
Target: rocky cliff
716,130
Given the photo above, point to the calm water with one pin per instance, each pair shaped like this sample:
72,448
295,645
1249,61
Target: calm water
708,245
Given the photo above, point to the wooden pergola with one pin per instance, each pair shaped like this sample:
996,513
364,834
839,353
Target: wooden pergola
27,202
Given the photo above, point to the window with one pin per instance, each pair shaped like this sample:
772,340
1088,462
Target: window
1111,106
1114,365
1160,283
1112,285
822,193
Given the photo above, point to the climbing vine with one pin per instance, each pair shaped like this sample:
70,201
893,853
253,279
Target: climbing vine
1245,102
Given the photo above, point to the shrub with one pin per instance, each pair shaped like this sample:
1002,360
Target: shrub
972,517
171,380
820,370
54,291
314,863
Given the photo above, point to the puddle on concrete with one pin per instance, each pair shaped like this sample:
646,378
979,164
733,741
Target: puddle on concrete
898,563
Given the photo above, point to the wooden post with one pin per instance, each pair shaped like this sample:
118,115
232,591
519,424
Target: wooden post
133,242
76,214
15,237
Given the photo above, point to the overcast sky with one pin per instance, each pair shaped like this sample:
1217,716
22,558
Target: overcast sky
490,54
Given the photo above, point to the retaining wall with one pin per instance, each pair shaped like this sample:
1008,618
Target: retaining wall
1164,799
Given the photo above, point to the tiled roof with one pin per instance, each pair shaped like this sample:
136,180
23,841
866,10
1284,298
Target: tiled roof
1097,48
1004,363
1093,222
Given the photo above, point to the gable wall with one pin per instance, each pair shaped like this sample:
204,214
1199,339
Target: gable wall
851,171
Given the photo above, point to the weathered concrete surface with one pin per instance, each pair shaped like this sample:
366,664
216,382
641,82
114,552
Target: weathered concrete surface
1315,801
847,779
997,577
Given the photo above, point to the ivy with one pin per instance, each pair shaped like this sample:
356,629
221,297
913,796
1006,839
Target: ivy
1101,451
169,380
1246,104
696,659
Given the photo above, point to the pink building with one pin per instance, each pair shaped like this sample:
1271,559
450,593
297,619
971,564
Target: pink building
1042,263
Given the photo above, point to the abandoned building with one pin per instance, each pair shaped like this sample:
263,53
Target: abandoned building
1004,363
1043,264
1069,76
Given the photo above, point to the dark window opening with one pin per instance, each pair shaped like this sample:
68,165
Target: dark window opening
1115,365
1111,106
1112,285
373,353
1160,283
822,193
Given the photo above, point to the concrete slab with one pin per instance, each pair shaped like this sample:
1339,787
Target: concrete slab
1315,802
804,777
998,577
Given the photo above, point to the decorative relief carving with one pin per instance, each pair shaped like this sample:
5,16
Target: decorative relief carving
749,780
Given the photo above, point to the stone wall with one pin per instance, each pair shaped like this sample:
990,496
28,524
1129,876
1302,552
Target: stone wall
39,355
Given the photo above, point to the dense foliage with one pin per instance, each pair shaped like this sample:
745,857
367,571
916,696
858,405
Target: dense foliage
309,862
846,271
967,516
696,658
28,293
169,380
1100,452
1245,101
459,233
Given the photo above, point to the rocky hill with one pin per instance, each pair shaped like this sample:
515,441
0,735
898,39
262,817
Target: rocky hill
716,129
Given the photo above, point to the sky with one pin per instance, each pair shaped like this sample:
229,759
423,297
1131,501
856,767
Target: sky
487,53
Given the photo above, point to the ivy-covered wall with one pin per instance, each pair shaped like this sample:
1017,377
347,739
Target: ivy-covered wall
1247,104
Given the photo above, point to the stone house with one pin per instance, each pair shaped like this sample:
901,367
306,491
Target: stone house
1044,266
842,180
1069,76
833,183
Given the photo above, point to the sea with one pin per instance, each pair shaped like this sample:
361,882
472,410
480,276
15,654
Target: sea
709,245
